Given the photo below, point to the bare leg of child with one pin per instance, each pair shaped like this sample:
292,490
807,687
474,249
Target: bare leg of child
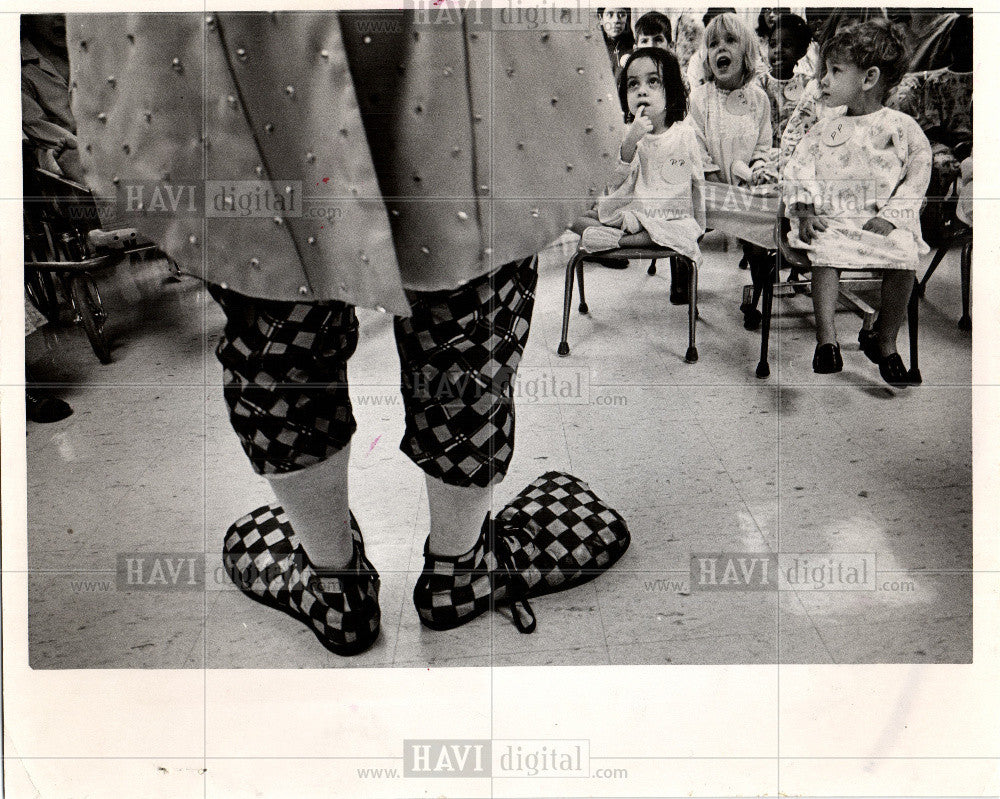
825,289
589,219
896,288
315,501
457,514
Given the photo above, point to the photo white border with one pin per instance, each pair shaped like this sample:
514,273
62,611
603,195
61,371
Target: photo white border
887,730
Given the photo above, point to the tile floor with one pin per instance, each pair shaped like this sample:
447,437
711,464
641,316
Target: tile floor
699,458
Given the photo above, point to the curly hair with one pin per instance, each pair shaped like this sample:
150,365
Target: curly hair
874,43
674,90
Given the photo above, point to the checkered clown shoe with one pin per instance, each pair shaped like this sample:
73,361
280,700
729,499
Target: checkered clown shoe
454,590
560,534
266,562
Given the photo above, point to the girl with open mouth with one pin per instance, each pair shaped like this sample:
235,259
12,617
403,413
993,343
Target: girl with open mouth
731,115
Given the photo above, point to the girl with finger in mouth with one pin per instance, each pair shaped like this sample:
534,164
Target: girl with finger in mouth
656,196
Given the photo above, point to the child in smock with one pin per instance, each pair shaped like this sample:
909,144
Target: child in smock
655,196
854,187
730,112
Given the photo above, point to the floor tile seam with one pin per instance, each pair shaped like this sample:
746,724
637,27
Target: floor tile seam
409,563
813,624
895,623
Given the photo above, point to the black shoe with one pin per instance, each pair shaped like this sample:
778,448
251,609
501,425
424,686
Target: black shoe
893,371
679,295
827,359
44,409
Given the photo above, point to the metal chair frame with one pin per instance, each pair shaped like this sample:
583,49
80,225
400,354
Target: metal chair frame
575,266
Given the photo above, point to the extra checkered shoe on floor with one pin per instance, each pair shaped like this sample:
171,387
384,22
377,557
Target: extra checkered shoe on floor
264,559
560,534
554,535
454,590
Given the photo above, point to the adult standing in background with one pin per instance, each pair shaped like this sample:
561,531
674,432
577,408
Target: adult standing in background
616,25
376,113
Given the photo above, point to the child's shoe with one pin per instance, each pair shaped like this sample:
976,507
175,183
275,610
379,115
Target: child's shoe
827,359
890,367
265,560
893,371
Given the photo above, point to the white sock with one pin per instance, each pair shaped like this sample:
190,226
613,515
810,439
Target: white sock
597,238
315,501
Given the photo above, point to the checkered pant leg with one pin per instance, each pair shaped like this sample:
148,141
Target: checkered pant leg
285,378
459,354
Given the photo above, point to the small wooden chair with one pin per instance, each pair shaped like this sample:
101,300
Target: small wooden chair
575,265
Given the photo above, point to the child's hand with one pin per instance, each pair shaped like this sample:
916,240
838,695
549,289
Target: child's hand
640,126
810,226
762,173
879,225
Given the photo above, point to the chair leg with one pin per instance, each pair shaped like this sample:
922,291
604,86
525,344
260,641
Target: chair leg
938,257
763,368
913,324
652,267
691,356
680,279
965,323
579,280
567,303
760,271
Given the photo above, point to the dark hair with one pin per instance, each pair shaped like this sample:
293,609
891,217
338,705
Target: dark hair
875,43
628,18
712,13
763,29
960,37
652,23
674,90
796,27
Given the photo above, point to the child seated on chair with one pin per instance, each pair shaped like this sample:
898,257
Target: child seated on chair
656,197
854,187
731,114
